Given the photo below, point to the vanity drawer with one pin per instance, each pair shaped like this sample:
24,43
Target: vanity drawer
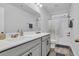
15,51
18,50
35,42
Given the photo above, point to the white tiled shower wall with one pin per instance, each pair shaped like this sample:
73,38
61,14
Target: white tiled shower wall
74,12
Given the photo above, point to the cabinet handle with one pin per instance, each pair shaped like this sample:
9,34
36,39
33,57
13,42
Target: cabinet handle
30,53
47,42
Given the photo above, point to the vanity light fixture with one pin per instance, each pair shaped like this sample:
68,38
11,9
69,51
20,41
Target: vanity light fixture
41,5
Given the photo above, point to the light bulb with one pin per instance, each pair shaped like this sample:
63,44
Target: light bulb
38,4
41,5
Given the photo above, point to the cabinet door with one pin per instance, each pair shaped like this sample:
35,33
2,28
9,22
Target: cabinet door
36,51
48,45
44,48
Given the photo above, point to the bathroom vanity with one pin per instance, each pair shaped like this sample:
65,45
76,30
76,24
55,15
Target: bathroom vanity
26,45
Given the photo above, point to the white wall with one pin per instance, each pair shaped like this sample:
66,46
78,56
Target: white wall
75,15
1,19
16,18
51,26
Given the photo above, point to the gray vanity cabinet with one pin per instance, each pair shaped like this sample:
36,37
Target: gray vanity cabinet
36,47
45,45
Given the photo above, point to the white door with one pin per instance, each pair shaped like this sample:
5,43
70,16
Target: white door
1,19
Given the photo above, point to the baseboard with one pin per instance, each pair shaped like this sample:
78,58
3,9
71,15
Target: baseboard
59,45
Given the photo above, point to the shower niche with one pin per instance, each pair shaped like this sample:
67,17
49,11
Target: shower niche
71,24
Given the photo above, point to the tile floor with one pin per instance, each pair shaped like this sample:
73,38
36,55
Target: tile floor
61,51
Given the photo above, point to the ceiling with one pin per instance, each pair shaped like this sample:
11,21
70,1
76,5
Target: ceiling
25,8
57,8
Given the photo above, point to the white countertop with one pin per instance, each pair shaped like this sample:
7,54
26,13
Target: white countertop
11,42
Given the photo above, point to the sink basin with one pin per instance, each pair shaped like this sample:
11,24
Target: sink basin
29,36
